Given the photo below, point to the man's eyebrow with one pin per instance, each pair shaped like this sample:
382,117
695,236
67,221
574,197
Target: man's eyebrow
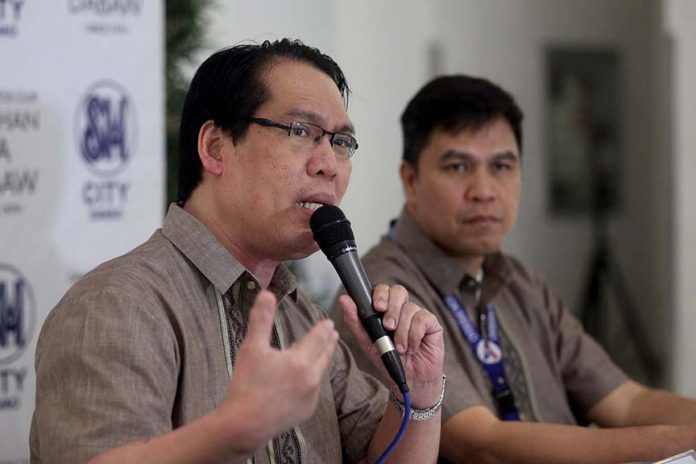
507,156
314,118
462,155
456,155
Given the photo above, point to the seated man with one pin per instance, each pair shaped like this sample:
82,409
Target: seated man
522,371
197,347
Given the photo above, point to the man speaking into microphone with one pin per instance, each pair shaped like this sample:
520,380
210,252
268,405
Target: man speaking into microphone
197,347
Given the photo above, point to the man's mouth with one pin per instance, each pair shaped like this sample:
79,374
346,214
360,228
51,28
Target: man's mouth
481,219
310,205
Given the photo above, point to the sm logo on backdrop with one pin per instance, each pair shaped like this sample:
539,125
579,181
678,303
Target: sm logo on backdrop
17,314
106,138
106,128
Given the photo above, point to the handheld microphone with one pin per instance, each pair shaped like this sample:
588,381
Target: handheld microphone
332,232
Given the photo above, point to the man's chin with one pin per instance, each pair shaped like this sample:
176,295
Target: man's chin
303,251
313,248
478,248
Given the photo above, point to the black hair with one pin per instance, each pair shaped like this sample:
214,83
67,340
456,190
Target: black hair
228,88
452,104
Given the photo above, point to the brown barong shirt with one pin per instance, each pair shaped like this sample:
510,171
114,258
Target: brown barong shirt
146,343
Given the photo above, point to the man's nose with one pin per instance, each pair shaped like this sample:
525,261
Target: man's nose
323,160
481,186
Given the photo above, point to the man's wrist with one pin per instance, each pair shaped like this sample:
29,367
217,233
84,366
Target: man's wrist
243,436
424,394
422,414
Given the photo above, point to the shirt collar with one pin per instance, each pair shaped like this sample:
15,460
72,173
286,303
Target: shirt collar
212,259
445,273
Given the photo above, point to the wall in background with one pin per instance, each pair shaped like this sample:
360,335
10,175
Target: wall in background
679,20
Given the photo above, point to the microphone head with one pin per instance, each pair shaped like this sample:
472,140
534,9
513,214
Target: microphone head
330,228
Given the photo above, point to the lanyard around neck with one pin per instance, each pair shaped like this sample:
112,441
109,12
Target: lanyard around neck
488,352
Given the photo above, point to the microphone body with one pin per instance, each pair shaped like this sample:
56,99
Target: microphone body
342,252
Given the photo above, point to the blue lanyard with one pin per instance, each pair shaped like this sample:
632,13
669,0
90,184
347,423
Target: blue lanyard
487,351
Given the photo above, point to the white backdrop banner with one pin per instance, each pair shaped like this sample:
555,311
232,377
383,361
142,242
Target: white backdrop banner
81,164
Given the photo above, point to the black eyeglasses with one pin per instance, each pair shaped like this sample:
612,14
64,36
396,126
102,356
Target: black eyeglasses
307,135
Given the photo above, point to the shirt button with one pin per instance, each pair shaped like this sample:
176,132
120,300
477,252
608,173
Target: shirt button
251,285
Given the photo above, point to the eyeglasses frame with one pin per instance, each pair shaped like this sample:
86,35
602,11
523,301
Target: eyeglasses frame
270,123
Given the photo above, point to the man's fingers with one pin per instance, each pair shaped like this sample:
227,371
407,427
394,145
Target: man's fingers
261,319
352,320
380,297
402,335
419,327
350,309
398,297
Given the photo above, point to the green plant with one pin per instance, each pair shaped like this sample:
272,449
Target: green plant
185,27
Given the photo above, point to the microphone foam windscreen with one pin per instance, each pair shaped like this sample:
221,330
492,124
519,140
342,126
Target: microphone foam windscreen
330,227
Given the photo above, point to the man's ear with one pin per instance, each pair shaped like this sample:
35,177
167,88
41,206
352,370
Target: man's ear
210,143
409,176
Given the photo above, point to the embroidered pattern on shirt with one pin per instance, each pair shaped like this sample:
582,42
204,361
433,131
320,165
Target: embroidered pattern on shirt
286,445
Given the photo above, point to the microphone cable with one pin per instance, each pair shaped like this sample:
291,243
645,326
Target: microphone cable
402,429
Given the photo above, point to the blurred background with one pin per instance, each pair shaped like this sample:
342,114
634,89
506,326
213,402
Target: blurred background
608,162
